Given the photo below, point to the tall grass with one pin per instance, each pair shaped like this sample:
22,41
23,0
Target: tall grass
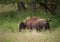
33,36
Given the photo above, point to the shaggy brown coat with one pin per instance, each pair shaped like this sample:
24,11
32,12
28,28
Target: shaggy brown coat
35,23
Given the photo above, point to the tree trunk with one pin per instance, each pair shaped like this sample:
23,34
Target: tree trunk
33,6
21,6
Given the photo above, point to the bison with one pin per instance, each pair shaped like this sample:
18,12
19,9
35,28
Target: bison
35,23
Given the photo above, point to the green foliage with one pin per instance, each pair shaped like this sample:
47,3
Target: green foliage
8,1
9,20
26,1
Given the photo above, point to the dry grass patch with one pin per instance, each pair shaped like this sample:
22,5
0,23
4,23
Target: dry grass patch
33,36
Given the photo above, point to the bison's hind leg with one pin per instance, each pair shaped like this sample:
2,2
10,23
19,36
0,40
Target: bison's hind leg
47,27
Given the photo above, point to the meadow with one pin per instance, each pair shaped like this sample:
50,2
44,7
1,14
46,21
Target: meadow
9,25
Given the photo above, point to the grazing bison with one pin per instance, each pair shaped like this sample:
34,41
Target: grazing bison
35,23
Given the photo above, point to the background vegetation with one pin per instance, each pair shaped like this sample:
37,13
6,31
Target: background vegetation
10,19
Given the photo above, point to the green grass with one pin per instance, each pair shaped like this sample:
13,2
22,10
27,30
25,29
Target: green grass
10,20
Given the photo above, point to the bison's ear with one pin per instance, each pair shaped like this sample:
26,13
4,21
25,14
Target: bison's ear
22,22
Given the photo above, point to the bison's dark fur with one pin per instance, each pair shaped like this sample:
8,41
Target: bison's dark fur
22,26
35,23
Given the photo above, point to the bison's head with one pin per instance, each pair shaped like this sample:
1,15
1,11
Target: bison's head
22,25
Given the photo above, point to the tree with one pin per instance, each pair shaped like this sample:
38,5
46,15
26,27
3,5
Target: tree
21,6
